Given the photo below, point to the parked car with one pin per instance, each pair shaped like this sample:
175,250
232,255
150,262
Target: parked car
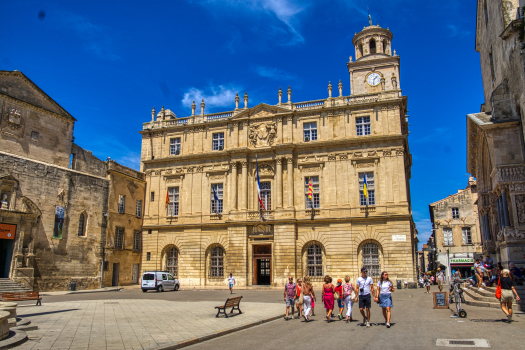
159,281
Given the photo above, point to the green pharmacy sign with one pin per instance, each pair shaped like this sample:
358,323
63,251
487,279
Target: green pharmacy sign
462,260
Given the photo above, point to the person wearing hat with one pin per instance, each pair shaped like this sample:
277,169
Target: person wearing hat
489,265
440,276
339,290
365,284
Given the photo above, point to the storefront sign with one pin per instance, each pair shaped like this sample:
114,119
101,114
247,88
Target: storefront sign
399,238
7,231
461,260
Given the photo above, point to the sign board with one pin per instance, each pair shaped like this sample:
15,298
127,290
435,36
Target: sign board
462,260
399,238
7,231
440,300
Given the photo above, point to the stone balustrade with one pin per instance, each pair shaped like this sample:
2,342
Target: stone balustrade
218,116
4,324
301,106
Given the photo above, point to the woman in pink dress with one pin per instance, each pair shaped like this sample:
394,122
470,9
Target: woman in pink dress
328,296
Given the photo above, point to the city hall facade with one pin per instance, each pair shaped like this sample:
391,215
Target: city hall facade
203,219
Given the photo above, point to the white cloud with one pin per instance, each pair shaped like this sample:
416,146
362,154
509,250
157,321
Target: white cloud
273,73
214,96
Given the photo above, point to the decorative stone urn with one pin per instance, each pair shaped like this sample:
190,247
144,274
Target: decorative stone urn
11,309
4,325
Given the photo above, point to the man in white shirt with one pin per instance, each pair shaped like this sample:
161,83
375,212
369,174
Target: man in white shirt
363,283
231,282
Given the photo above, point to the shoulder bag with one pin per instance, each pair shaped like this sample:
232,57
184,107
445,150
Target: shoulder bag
353,296
498,289
301,297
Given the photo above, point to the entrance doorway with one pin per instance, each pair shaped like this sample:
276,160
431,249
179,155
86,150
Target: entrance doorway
262,265
6,252
115,275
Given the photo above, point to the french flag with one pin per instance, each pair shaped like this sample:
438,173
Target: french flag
259,183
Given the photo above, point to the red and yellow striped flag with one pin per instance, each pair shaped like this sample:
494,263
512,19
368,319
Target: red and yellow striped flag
310,188
167,198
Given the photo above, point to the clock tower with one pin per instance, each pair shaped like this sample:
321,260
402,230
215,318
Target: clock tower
376,67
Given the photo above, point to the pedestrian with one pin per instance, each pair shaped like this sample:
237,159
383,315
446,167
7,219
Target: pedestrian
298,297
507,288
489,264
440,279
349,296
432,280
384,296
328,297
290,292
339,297
427,282
231,282
363,283
308,297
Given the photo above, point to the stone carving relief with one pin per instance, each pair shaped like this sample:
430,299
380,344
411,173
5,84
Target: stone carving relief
262,134
520,208
216,177
519,188
511,174
12,121
358,154
311,169
387,153
266,170
365,165
174,180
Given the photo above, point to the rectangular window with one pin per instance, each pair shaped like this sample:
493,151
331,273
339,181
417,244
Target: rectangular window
119,238
216,205
34,135
150,232
152,197
266,195
138,209
148,256
137,237
218,141
467,237
370,189
455,213
121,204
58,229
314,201
310,131
447,236
173,205
217,263
175,146
362,125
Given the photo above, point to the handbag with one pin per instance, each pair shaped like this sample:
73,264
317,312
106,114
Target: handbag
336,295
498,289
301,297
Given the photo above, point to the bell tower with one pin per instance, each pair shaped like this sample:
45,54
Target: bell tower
376,68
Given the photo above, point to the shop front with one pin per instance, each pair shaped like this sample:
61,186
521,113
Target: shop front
464,265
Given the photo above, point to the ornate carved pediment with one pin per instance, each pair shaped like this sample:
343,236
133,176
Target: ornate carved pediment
262,230
266,170
262,134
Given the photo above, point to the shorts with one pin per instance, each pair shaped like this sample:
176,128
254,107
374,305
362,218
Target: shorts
506,296
365,301
231,285
340,303
385,300
440,282
290,302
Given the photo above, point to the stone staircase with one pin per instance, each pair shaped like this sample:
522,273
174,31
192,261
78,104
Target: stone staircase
7,285
486,297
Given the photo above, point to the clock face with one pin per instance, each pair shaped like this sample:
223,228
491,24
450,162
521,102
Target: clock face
373,79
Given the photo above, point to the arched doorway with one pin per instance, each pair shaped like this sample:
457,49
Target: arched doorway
370,258
172,261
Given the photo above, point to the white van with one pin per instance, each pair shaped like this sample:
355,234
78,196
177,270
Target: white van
159,280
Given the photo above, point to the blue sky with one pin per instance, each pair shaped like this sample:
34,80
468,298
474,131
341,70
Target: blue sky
109,63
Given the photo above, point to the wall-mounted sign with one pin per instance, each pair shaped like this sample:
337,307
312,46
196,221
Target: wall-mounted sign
7,231
461,260
399,238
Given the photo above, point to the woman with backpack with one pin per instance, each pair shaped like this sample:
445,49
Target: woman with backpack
328,297
384,296
348,290
308,297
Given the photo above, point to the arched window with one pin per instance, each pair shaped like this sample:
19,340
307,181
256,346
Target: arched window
217,262
172,261
82,225
385,46
371,259
372,46
314,261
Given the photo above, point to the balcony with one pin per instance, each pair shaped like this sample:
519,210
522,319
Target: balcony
260,215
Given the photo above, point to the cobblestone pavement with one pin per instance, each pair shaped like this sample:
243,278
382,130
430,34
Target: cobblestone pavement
132,323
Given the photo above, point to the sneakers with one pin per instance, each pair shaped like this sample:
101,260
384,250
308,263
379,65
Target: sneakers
340,316
509,317
388,325
364,320
368,324
286,318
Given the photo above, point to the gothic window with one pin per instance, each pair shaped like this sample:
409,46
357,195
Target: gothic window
370,189
217,262
447,236
172,261
314,261
121,204
218,141
385,46
314,201
362,125
372,46
173,204
310,131
455,213
467,237
216,198
266,195
138,208
119,238
175,146
371,259
137,238
82,225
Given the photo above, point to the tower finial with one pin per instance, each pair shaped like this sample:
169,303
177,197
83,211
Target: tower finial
369,17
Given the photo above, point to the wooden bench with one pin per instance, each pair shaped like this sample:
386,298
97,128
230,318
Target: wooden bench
230,302
19,296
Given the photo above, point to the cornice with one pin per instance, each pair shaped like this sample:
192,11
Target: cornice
37,108
360,63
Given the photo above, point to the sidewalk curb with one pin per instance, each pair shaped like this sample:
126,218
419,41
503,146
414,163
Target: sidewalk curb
194,341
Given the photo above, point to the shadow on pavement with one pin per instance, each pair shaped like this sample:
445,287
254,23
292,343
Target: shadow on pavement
47,313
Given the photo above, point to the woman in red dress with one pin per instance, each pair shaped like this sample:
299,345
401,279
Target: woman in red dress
328,296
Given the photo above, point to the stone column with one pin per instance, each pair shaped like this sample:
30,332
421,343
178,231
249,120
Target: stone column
279,182
236,135
244,193
290,187
233,186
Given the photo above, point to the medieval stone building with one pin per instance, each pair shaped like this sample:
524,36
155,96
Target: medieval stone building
495,147
59,221
204,217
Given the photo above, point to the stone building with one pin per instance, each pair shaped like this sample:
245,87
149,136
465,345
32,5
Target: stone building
456,230
495,148
203,218
54,195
